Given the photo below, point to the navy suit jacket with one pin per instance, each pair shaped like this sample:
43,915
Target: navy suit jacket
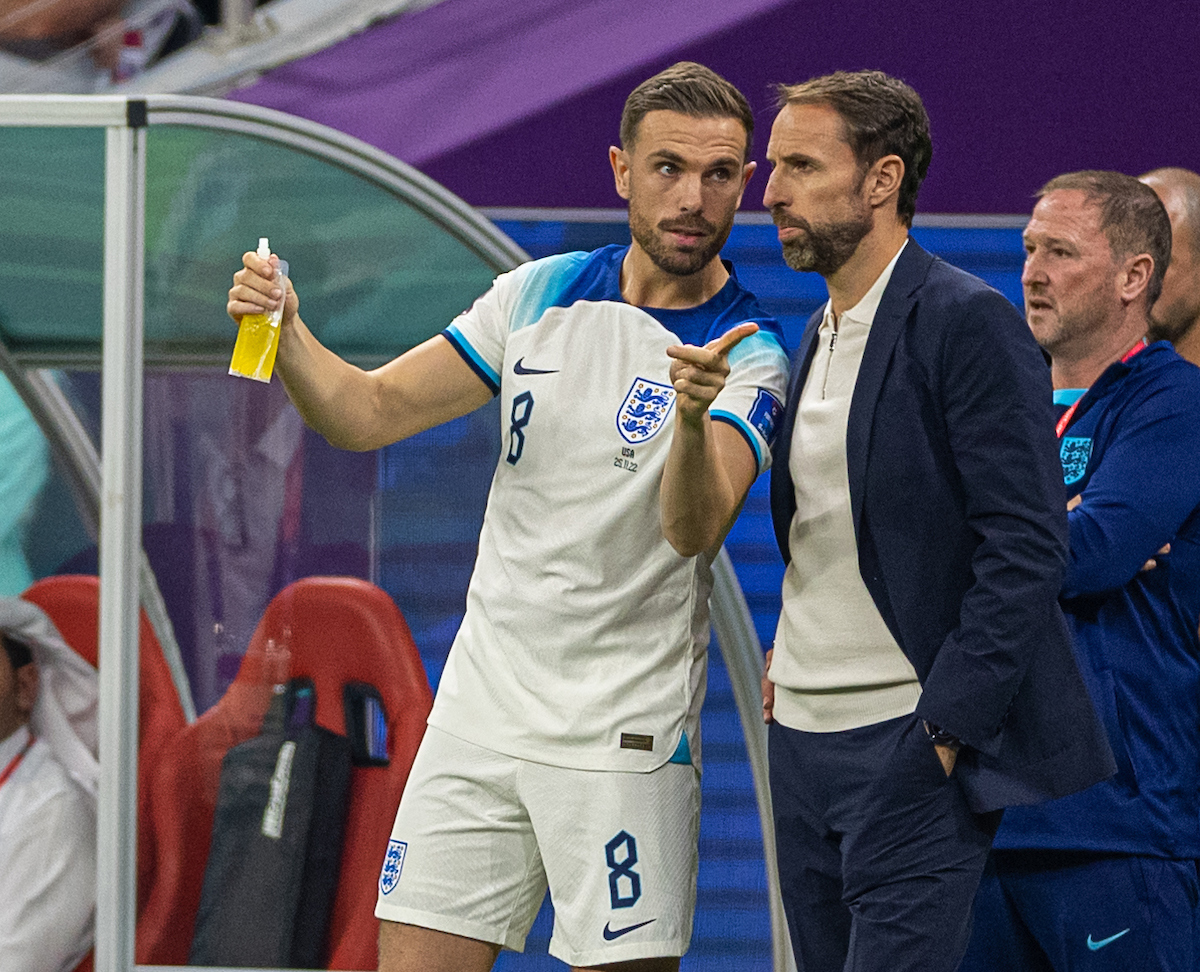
959,513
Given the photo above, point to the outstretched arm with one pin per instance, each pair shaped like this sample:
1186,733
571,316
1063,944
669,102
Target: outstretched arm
71,21
710,467
352,408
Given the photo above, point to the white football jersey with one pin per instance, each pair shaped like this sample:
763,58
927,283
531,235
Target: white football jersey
585,637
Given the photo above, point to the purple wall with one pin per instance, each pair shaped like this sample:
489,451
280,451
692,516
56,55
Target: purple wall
1017,92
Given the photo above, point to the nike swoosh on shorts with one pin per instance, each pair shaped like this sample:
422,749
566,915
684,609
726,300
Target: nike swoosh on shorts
610,933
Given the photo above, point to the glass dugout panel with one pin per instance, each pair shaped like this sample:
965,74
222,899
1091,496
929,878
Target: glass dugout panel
51,238
375,275
240,501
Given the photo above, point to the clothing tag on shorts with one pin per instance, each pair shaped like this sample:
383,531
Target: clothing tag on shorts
635,740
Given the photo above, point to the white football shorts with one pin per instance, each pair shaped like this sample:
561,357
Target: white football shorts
479,837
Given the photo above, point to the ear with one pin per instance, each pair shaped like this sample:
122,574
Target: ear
26,678
1134,277
747,172
619,160
883,180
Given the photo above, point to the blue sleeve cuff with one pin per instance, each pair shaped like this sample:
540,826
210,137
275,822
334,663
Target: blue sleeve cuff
460,344
743,427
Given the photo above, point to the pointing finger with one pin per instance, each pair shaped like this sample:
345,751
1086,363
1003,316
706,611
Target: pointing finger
729,340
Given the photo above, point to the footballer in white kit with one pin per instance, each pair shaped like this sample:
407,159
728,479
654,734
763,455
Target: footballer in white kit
564,747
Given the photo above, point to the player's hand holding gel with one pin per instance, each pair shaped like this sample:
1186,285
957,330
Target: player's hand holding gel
258,334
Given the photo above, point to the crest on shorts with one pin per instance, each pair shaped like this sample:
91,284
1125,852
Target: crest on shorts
1074,452
393,864
646,407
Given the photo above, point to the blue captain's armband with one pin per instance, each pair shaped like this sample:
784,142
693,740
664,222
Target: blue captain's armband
765,415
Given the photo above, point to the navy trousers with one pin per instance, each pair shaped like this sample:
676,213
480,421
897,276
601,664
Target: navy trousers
1062,911
879,854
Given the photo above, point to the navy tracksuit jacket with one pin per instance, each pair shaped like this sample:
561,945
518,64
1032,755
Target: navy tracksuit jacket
1132,448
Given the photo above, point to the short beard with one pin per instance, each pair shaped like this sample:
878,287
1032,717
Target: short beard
825,249
1074,326
1160,331
675,262
1173,330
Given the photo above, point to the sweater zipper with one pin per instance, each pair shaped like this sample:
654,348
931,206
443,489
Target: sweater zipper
829,361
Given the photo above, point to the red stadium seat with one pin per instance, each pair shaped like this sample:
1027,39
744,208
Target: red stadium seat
72,602
185,788
335,630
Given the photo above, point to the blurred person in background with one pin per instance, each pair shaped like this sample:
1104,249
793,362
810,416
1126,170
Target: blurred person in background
93,42
48,781
1175,316
39,29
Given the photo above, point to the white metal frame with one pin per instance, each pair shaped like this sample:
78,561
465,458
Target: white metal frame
121,497
120,540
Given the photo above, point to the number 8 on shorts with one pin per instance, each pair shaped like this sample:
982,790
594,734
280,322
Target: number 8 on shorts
622,868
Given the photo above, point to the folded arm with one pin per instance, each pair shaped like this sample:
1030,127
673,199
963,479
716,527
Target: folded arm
1140,495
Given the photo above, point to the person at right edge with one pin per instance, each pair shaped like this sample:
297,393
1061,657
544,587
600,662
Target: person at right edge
1106,879
1175,316
922,676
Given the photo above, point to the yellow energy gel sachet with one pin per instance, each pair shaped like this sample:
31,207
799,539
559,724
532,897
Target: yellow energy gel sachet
258,334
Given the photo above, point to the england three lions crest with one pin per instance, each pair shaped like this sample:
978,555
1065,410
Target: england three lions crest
644,410
1074,452
393,864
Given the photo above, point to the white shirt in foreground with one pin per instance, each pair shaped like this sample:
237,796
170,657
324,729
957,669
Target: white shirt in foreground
47,863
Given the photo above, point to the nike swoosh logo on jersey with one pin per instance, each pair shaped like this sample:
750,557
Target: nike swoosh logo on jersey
520,369
1096,946
611,933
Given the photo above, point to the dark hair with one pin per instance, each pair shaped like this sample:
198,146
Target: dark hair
18,652
882,116
1132,217
690,89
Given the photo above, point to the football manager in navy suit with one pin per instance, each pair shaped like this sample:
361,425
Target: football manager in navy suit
922,676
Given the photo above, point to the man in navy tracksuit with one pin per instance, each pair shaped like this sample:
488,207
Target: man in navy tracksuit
1106,878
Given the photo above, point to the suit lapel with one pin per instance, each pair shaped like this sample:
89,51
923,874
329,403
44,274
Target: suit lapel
783,491
802,362
894,308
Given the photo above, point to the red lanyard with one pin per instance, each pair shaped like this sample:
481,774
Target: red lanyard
16,761
1069,414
